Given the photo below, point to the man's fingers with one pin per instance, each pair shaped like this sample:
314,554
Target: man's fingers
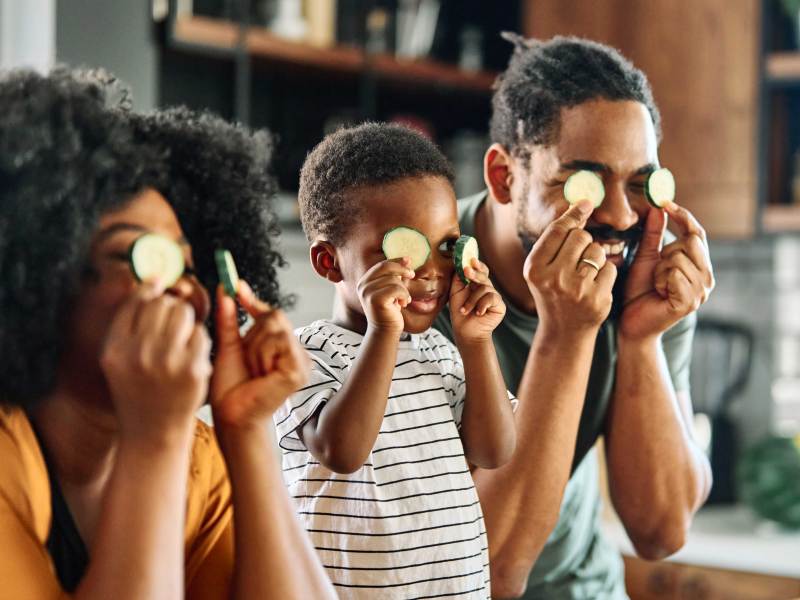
549,244
686,221
606,277
591,261
655,225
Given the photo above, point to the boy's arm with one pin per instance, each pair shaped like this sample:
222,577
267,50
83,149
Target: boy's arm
343,431
487,421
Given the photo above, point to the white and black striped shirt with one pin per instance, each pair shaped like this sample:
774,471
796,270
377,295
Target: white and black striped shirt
408,523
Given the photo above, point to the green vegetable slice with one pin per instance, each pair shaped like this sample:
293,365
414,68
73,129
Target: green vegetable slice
226,269
660,188
584,185
406,241
466,249
153,256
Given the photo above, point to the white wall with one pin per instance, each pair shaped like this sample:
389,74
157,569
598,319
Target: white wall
27,34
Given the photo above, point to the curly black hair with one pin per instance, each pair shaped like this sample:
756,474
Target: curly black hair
544,77
369,154
219,184
68,155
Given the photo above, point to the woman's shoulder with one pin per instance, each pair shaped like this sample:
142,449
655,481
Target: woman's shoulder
24,486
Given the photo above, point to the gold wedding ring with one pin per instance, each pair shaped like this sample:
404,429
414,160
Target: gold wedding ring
591,263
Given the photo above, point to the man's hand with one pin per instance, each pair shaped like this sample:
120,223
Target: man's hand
254,375
475,309
568,275
665,285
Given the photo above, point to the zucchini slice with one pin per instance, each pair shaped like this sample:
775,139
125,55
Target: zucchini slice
584,185
466,249
153,256
660,188
226,269
406,241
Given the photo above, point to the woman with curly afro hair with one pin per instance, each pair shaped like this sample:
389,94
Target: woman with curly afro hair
109,486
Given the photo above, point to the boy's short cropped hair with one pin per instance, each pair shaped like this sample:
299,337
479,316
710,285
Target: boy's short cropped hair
370,154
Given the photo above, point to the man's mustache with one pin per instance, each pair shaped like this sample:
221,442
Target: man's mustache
632,235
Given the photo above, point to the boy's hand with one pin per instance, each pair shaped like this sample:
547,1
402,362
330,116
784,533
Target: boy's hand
254,375
475,309
384,295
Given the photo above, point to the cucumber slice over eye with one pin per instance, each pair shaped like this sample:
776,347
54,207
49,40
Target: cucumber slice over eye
466,250
660,188
153,256
226,269
584,185
406,241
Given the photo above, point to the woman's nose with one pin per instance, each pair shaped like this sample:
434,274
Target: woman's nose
190,290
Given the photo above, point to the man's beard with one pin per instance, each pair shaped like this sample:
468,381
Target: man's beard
600,233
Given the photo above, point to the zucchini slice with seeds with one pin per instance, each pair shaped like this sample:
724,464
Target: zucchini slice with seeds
660,188
153,256
226,269
466,249
584,185
406,241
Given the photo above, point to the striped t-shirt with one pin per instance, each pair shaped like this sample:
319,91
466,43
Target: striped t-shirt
408,523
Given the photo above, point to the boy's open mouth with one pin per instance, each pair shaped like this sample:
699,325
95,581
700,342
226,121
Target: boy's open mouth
425,302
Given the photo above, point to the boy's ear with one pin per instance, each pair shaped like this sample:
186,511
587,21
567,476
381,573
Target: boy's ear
497,173
324,261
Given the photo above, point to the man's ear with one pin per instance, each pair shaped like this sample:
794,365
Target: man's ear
497,173
324,261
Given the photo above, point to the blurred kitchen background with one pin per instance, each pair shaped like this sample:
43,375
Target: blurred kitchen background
726,76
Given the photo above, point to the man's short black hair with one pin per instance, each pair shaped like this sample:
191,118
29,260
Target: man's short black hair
370,154
69,153
544,77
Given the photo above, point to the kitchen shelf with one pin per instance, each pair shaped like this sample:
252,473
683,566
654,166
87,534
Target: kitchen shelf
781,218
261,44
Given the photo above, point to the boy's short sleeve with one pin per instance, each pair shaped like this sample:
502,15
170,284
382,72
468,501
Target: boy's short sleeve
327,373
451,366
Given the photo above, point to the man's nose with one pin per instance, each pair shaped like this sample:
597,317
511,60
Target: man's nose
616,210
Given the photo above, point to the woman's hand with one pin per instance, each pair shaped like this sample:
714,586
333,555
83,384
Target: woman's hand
156,362
254,374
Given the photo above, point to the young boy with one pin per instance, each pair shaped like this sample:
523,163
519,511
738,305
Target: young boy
377,448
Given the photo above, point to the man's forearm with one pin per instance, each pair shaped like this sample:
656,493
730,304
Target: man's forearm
657,475
274,557
521,501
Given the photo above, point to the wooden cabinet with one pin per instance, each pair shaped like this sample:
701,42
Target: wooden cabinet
702,59
671,581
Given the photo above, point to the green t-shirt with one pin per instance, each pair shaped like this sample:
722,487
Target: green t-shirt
576,562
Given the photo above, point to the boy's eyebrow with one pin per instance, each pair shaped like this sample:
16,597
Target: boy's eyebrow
589,165
111,230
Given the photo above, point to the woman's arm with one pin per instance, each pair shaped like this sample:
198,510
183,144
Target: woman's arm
252,378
